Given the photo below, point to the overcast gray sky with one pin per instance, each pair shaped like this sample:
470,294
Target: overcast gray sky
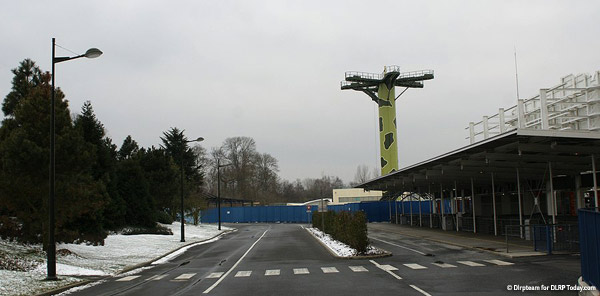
271,70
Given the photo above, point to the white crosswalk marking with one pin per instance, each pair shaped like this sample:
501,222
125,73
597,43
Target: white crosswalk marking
329,269
415,266
159,277
443,265
387,267
358,268
301,271
499,262
184,277
128,278
244,273
214,275
272,272
470,263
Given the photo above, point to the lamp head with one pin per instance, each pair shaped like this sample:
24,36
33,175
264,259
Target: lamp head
92,53
200,139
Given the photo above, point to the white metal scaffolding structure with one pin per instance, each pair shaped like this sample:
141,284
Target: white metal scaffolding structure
574,104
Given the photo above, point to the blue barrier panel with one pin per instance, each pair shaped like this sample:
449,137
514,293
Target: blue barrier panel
268,214
589,232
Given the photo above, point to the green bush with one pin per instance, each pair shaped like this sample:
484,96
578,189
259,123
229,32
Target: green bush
349,228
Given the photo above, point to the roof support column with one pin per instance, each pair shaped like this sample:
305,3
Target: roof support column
552,197
520,203
390,208
456,204
402,205
473,206
396,209
430,207
411,211
420,214
494,206
595,181
442,220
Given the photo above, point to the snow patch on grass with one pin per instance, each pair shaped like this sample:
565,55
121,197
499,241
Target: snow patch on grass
24,274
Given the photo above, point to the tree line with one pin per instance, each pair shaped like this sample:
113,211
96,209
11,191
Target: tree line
101,186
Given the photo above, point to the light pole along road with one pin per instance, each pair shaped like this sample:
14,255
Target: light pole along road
219,166
51,253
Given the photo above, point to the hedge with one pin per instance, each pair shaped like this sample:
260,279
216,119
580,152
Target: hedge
349,228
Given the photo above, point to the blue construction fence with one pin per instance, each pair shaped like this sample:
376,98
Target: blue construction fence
589,232
378,211
263,214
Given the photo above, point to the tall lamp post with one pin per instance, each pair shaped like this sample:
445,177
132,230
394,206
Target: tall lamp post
182,153
51,253
219,166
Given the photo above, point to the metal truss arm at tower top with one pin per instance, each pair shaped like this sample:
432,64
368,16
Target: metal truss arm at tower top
411,84
358,85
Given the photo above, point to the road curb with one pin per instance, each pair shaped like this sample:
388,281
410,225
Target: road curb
385,254
508,255
126,269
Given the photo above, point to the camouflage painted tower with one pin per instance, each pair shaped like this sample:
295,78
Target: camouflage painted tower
380,87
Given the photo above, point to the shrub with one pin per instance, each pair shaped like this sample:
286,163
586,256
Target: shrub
349,228
158,229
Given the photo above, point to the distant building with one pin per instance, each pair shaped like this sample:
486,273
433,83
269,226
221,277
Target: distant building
349,195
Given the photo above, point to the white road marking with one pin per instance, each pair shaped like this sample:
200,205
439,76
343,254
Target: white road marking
128,278
272,272
158,277
386,269
499,262
399,246
415,266
422,292
470,263
244,273
329,269
301,271
214,275
358,268
443,265
184,277
235,265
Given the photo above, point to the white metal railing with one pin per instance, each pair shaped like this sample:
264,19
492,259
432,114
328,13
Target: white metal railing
574,104
364,75
415,73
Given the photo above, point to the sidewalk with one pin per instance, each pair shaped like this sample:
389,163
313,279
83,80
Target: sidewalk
481,242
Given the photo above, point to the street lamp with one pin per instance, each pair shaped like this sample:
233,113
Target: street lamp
51,254
219,166
182,152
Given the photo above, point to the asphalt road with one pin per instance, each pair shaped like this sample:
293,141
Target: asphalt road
283,259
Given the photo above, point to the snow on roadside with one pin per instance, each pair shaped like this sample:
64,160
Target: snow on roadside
119,251
337,247
340,248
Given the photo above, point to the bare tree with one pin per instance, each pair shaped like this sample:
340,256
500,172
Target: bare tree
362,174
